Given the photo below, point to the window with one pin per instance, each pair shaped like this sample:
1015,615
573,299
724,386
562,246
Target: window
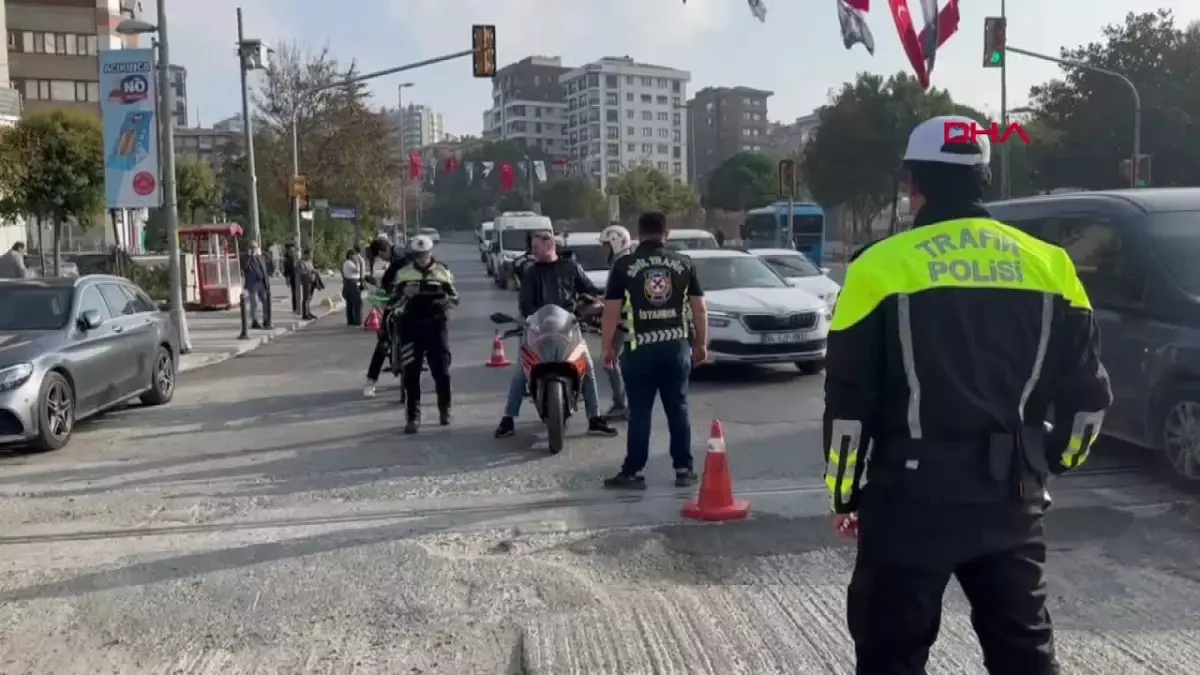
647,98
612,133
647,81
629,114
141,302
39,43
662,83
93,45
675,101
1110,273
677,152
662,117
12,40
647,148
34,307
661,100
612,115
677,119
630,131
664,133
663,148
647,115
677,169
593,80
610,81
662,166
629,96
676,86
676,136
613,150
611,99
629,80
631,147
91,301
614,167
60,43
647,131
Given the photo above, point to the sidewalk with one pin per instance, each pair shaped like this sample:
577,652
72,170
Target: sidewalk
214,334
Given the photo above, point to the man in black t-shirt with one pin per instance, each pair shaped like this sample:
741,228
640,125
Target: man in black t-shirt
656,288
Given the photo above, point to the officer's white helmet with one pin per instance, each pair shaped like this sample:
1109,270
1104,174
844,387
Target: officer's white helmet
949,139
617,237
421,244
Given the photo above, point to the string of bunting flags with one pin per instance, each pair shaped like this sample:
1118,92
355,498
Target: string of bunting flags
427,169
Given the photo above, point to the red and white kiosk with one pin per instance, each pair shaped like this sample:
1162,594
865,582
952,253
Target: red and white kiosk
218,264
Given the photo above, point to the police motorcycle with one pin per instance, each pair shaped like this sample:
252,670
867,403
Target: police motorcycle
553,354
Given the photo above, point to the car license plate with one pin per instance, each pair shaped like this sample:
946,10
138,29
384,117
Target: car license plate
784,338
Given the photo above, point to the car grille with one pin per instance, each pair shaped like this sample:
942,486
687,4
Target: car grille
767,322
743,349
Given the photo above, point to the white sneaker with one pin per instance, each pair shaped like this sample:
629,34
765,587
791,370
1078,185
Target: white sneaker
369,390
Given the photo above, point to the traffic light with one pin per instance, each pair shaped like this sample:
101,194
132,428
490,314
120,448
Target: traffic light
994,41
787,178
483,41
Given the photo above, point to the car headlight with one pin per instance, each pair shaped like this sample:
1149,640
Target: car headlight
721,319
15,376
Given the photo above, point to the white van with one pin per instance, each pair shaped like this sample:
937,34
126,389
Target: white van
512,228
485,233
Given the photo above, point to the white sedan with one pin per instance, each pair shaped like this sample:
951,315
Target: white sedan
800,272
756,316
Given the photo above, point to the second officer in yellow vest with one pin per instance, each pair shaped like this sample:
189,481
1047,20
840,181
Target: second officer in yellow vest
427,287
949,345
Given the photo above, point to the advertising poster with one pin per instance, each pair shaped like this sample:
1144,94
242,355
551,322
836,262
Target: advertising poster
127,108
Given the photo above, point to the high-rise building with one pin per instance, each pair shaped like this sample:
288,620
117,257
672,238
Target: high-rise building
787,140
727,120
178,82
52,48
422,126
622,114
529,105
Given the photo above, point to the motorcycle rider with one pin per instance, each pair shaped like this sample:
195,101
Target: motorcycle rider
551,280
617,243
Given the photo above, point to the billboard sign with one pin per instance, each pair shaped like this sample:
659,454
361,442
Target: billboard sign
128,111
343,213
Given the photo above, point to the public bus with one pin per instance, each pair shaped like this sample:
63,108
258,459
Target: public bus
767,228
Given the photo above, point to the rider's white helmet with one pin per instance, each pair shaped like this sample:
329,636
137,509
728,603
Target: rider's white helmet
421,244
617,237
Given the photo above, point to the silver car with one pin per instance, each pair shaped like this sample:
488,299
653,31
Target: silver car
71,348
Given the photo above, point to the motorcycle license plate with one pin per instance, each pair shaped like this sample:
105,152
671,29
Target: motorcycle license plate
785,338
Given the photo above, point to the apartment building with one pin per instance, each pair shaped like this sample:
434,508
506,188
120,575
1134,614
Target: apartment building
177,80
622,114
787,140
52,49
422,125
727,120
529,105
211,146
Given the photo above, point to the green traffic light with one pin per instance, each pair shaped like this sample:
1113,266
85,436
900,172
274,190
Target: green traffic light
996,58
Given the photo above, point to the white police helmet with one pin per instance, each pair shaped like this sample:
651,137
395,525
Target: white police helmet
617,237
421,244
944,140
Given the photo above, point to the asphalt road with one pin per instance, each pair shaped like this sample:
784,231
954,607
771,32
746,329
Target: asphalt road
270,520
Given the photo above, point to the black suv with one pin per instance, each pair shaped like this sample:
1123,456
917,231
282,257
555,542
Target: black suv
1137,253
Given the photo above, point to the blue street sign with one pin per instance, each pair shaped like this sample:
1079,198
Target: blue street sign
343,213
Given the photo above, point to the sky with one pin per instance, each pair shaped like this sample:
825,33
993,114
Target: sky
797,53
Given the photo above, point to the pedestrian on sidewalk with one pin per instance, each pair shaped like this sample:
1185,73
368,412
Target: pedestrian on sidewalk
256,281
310,281
289,274
655,288
352,284
12,264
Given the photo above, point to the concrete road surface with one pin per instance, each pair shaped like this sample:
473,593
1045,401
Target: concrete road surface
271,520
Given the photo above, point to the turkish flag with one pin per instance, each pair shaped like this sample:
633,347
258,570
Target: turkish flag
507,180
414,166
860,5
920,50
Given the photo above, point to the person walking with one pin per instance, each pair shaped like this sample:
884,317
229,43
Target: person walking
289,275
12,263
352,285
655,288
617,243
309,281
949,346
256,282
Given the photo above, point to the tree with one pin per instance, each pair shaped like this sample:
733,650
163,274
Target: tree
745,181
572,198
196,184
644,189
1091,114
62,178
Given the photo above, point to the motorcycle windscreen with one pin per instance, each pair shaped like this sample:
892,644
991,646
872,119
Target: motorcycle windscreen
552,333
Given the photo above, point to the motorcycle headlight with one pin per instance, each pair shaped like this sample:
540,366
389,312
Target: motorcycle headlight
15,376
721,319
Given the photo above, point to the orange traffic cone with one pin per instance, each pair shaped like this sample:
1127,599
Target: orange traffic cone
715,502
498,359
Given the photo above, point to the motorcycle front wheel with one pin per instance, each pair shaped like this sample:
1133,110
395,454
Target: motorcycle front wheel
554,400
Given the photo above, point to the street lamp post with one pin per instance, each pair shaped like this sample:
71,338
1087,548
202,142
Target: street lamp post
403,158
251,56
1005,157
343,83
170,193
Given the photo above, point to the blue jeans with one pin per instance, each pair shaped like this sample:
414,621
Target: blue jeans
663,369
517,389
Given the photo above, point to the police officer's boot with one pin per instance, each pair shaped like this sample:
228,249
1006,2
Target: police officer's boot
444,416
414,421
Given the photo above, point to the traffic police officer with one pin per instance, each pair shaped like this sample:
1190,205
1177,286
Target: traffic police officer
949,345
427,288
656,288
617,241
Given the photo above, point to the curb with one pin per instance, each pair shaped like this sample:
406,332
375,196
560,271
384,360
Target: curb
326,307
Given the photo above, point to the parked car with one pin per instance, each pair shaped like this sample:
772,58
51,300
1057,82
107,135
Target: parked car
72,348
755,316
691,240
585,248
431,233
1136,252
486,233
800,272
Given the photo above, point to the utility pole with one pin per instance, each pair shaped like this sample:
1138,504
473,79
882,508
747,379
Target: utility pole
1005,182
169,189
248,127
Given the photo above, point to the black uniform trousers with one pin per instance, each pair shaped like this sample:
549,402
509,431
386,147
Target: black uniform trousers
907,553
424,341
